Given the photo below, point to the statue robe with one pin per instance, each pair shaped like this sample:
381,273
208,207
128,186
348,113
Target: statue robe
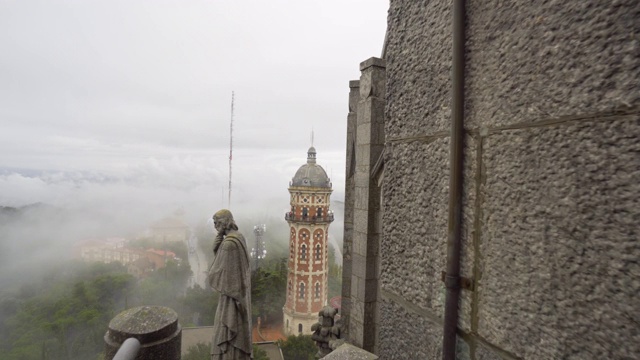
230,275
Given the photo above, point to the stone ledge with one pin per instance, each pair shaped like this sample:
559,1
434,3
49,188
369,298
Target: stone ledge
350,352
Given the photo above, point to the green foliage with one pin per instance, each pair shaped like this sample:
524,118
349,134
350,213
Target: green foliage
202,302
200,351
299,347
268,289
259,354
67,321
335,274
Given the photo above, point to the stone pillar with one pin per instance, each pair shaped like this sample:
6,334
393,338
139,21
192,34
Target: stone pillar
156,328
366,228
349,202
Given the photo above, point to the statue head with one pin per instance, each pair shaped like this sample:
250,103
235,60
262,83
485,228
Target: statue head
223,221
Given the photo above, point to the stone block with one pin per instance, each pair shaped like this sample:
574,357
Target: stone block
357,310
354,95
359,264
372,79
415,218
350,352
483,352
415,222
361,198
371,291
155,327
363,154
559,241
363,135
359,243
371,111
361,225
418,56
406,335
539,59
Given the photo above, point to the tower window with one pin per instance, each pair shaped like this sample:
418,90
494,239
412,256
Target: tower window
319,212
300,328
317,290
303,252
301,291
305,212
318,252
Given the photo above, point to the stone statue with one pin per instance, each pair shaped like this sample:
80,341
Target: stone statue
230,275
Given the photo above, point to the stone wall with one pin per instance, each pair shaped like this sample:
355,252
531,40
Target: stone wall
551,180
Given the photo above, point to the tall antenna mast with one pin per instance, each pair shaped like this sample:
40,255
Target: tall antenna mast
230,146
311,135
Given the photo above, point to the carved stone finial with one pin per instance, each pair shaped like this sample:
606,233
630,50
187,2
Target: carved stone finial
327,331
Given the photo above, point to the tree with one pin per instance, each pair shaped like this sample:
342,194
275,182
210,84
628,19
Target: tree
200,351
259,354
268,289
299,347
203,302
335,274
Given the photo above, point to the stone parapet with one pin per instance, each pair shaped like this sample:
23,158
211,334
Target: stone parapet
155,327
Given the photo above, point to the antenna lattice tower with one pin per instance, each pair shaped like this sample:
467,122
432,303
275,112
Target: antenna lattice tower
230,147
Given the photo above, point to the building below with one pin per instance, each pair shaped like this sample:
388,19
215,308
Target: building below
309,220
139,262
171,228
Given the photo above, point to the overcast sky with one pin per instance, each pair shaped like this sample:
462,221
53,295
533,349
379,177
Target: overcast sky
128,102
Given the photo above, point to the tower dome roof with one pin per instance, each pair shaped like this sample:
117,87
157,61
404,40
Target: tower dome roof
311,174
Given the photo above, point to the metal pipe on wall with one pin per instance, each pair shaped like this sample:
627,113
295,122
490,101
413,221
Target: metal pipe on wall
452,277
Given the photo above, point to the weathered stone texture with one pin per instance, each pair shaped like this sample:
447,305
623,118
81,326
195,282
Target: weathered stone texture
415,214
418,67
415,223
407,335
560,240
483,353
529,60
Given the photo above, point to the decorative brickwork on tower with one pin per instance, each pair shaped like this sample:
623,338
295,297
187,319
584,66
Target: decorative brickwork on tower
309,220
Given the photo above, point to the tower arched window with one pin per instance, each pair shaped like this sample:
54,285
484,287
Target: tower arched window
317,290
303,252
305,212
319,212
318,252
301,296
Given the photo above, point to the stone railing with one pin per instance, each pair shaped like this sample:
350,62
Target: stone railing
289,216
144,333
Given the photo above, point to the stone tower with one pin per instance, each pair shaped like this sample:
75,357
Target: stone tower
309,220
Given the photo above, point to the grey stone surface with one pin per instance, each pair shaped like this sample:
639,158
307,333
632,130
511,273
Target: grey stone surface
560,240
350,352
407,335
155,327
418,67
368,148
415,217
482,352
349,200
529,60
550,205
